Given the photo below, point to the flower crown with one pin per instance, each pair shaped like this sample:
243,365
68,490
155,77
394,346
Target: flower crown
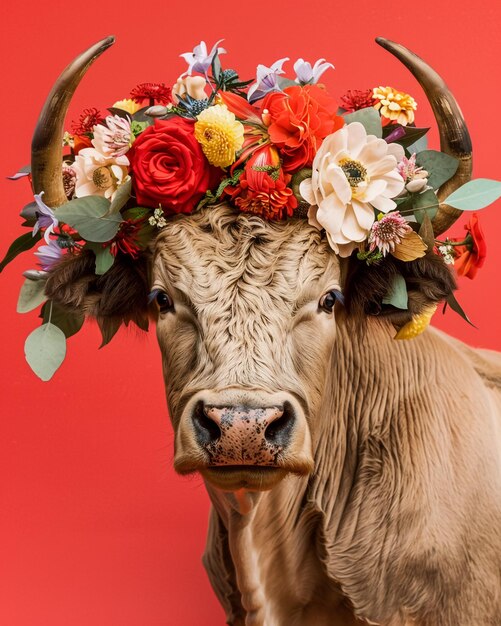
279,147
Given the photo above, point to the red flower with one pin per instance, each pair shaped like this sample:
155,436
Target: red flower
169,167
471,256
80,142
154,92
86,122
262,188
300,118
355,99
126,240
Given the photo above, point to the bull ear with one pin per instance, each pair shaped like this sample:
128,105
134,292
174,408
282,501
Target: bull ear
428,281
118,296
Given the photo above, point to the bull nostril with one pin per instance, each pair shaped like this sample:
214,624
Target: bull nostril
280,430
206,430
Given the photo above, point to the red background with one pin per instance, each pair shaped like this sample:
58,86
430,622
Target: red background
95,528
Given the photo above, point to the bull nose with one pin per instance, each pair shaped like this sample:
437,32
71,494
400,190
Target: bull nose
243,435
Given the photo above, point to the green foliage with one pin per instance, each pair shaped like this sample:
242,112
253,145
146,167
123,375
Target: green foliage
397,294
31,296
425,203
21,244
121,197
440,166
411,134
369,118
104,257
475,194
45,349
91,218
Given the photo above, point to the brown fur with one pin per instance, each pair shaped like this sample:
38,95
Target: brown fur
398,523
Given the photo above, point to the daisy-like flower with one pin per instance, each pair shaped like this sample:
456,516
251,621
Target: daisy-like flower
220,134
355,99
307,75
387,232
396,106
115,138
86,122
416,178
353,174
99,175
266,80
200,60
155,93
127,105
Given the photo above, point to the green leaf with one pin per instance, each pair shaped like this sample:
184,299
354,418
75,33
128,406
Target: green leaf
441,167
69,322
121,197
418,146
21,244
45,349
397,295
456,307
136,213
369,118
423,203
90,217
31,296
475,195
216,67
104,257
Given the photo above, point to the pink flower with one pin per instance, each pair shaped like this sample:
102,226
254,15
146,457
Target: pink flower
115,138
388,232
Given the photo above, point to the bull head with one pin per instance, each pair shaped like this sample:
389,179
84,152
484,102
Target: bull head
247,311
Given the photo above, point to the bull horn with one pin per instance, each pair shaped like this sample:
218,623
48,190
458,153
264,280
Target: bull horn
454,136
46,145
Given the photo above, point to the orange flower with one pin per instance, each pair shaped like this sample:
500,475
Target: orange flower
471,256
300,119
262,188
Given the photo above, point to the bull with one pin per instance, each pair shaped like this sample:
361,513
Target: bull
353,478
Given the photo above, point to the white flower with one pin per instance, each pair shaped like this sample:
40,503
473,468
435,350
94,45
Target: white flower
353,175
448,254
200,60
158,219
99,175
305,74
266,80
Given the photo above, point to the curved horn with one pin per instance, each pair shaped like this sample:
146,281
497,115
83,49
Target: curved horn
46,145
454,137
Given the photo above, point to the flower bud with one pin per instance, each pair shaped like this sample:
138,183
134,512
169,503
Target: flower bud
416,185
156,111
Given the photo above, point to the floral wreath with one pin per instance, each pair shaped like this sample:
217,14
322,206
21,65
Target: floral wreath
277,147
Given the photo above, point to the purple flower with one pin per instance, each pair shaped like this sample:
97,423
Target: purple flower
396,134
266,80
199,60
307,75
45,217
49,255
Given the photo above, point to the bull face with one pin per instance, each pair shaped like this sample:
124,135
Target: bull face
245,327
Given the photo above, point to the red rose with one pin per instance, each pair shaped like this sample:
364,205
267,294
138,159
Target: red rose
471,256
169,167
300,119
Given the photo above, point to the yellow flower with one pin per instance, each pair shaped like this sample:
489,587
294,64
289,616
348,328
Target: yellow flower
418,324
395,105
220,134
127,105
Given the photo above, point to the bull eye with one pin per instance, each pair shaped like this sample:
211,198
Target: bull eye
163,300
328,300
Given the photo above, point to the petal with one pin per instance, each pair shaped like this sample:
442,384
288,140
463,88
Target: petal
383,204
375,188
331,213
397,151
351,228
381,167
357,138
394,184
306,191
364,214
312,218
334,180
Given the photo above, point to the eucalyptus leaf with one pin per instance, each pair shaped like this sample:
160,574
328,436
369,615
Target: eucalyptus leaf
90,217
440,166
21,244
369,118
216,67
28,212
45,349
104,257
419,145
475,194
121,197
31,296
423,203
69,322
397,295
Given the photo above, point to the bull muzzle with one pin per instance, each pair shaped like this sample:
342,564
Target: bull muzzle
243,438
